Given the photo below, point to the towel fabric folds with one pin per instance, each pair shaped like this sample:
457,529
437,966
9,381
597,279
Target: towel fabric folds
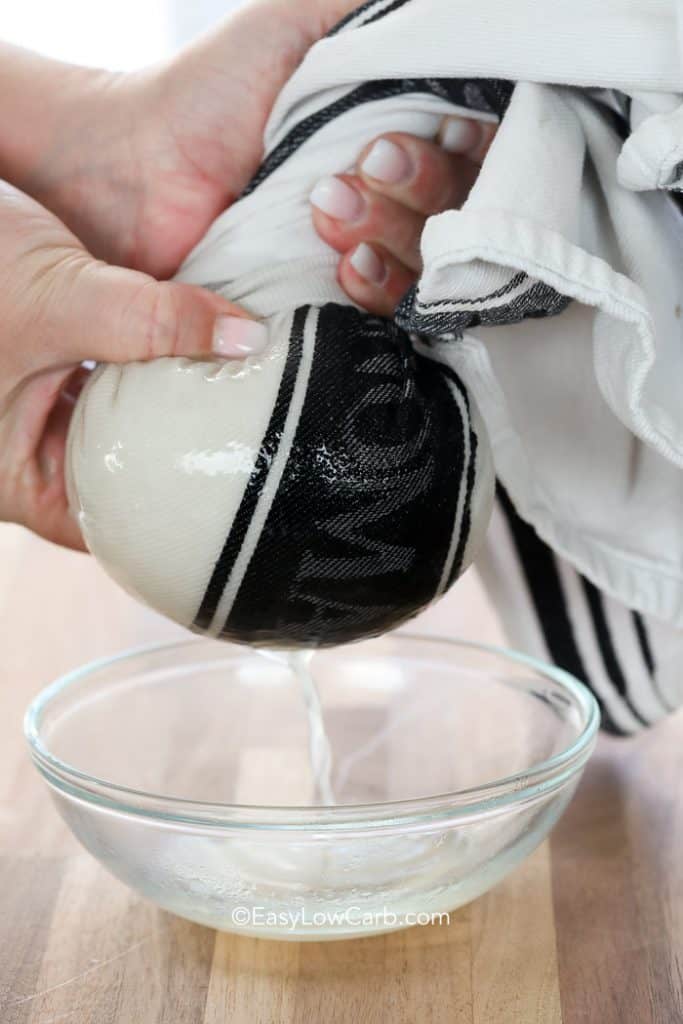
555,294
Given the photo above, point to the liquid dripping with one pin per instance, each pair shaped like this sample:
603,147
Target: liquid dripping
320,753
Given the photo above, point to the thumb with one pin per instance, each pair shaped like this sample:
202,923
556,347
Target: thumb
110,314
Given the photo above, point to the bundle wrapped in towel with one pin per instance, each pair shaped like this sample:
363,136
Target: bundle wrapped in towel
320,493
333,487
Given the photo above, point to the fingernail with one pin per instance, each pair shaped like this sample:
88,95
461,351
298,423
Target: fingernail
337,199
368,264
236,337
387,162
459,135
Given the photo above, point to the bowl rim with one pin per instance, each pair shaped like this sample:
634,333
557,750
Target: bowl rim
492,798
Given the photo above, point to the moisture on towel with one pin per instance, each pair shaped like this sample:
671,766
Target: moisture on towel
332,487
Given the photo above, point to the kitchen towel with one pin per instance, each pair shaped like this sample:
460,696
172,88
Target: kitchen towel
555,294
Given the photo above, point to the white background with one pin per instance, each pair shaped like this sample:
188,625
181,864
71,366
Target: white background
120,34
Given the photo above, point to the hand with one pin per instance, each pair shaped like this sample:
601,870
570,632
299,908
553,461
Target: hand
59,306
139,165
374,218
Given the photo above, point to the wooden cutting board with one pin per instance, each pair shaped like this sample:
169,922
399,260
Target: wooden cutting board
588,931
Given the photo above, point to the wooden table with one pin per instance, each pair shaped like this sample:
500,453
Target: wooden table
588,931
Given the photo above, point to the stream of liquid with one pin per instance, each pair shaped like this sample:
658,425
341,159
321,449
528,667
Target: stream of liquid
320,752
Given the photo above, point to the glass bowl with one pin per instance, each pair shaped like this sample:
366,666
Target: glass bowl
185,770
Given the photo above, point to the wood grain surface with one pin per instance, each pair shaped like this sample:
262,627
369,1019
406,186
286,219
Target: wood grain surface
588,931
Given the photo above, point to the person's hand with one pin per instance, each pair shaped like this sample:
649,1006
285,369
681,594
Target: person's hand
138,165
374,217
59,306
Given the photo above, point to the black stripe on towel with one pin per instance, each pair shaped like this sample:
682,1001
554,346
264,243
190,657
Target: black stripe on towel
359,15
510,286
360,529
606,645
545,588
254,488
387,10
537,301
466,525
352,16
466,522
649,658
643,642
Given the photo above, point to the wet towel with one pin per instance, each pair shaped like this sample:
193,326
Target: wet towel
557,288
552,299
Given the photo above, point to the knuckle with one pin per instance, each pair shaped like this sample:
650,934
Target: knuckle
153,317
398,286
392,224
435,185
411,228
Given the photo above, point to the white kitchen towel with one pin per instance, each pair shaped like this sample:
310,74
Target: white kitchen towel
549,610
583,410
557,290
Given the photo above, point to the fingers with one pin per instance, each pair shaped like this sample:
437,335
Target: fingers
346,212
59,308
33,435
466,136
374,279
109,314
417,174
401,181
375,217
67,307
52,518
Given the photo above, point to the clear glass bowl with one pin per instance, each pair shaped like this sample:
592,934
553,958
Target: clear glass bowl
185,770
